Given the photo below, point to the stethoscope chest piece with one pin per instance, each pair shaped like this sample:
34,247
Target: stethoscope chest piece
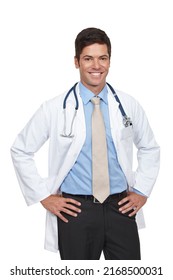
127,121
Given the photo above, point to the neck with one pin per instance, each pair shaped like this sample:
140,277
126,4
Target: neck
96,89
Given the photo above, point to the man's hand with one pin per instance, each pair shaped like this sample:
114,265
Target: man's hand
133,202
57,205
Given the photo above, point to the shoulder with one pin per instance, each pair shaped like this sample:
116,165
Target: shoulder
54,103
128,100
125,97
130,104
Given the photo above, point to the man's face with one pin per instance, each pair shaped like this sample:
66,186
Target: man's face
93,65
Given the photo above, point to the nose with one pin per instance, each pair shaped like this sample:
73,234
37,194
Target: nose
96,63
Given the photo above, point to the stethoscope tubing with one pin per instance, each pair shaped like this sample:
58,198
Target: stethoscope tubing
126,120
73,88
117,99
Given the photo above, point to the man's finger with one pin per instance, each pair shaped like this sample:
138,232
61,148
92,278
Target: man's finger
72,201
59,215
124,200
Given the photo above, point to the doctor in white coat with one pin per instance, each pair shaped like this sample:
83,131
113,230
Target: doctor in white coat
67,203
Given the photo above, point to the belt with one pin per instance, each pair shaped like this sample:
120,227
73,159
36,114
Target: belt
93,199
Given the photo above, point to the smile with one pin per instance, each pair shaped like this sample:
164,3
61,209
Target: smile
96,74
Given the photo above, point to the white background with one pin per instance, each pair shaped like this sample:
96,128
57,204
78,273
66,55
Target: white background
36,63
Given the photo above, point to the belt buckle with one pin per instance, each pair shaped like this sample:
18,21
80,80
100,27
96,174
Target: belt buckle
95,200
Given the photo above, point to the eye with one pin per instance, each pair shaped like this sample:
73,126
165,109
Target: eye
104,58
87,58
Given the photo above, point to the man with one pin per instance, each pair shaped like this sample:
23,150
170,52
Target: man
91,195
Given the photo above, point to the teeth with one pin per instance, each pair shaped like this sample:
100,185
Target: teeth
95,74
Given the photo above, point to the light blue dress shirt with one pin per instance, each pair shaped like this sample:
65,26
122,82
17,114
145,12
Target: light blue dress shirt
79,179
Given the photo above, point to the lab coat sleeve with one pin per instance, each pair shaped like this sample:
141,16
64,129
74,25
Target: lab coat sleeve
29,141
148,152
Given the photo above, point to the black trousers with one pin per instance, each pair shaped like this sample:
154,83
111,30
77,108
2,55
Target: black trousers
99,228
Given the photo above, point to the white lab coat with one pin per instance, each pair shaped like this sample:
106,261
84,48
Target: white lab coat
48,123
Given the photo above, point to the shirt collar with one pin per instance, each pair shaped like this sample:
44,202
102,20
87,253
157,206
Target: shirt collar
86,94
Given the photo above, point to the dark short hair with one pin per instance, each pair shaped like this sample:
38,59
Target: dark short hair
91,36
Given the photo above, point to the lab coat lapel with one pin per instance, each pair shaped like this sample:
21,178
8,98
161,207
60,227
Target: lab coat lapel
115,117
116,130
72,146
79,133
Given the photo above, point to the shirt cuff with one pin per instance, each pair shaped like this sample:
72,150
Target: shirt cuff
138,192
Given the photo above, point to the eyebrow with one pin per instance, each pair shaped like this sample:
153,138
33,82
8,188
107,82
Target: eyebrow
90,56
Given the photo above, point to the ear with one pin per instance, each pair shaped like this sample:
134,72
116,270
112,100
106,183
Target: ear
76,62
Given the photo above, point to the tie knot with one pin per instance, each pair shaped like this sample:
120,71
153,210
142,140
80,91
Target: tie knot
95,100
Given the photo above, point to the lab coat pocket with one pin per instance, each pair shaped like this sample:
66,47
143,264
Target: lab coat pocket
64,143
66,129
126,133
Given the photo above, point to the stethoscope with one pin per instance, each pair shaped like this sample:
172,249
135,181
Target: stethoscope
126,120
